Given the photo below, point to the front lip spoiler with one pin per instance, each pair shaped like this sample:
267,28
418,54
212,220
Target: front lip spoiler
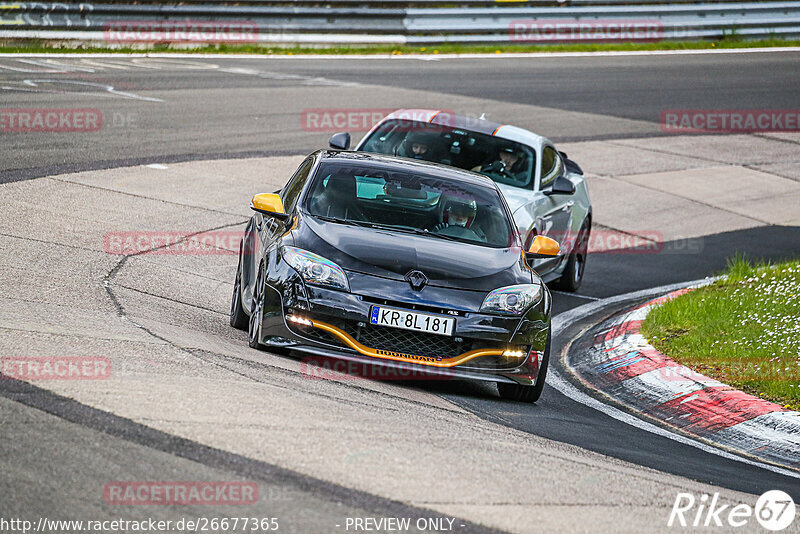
423,370
427,361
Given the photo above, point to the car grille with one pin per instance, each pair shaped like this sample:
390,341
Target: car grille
407,341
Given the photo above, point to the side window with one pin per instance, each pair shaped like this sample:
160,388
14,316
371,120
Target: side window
291,191
551,166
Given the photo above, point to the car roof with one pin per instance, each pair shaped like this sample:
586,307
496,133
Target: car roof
475,124
432,169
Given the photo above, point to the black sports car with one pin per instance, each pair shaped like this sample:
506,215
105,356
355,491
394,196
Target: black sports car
408,264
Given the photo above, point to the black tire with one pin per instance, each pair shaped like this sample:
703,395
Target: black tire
239,318
520,393
256,311
572,276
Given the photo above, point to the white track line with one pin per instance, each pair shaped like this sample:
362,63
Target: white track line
611,53
556,380
575,295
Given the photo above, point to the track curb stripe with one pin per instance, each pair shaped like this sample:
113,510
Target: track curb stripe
623,365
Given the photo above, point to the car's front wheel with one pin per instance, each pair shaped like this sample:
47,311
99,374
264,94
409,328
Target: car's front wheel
238,315
520,393
256,311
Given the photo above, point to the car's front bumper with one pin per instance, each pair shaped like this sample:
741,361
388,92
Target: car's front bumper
336,324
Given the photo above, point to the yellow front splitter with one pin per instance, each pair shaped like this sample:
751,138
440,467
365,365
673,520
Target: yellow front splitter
401,357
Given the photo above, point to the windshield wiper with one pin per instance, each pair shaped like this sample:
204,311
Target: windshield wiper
340,221
378,226
416,231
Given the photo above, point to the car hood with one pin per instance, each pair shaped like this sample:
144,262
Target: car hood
393,254
516,197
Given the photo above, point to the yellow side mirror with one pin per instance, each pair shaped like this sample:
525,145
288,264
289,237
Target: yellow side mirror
543,247
269,204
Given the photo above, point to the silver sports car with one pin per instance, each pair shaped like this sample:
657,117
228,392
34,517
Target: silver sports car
545,190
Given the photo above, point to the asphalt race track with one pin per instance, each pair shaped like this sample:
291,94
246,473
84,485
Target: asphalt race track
246,121
240,106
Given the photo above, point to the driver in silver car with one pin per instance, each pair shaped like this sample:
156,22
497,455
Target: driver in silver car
418,145
510,162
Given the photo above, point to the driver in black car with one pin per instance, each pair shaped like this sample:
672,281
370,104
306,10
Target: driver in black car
457,218
510,163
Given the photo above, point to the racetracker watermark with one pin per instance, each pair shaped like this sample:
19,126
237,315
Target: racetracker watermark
607,241
189,493
222,242
680,121
187,31
142,525
322,368
774,510
50,120
364,119
55,368
570,30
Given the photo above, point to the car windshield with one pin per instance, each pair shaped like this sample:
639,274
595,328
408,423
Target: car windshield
504,161
410,201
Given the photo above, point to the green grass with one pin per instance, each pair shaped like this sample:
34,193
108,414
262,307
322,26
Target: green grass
41,46
743,330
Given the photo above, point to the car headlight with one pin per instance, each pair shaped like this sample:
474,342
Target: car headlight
315,269
512,300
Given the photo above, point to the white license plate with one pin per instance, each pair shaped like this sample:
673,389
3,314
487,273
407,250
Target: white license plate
408,320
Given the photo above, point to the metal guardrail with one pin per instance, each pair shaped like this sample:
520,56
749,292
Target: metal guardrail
371,4
341,22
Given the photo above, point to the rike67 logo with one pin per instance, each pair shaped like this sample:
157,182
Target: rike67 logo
774,510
